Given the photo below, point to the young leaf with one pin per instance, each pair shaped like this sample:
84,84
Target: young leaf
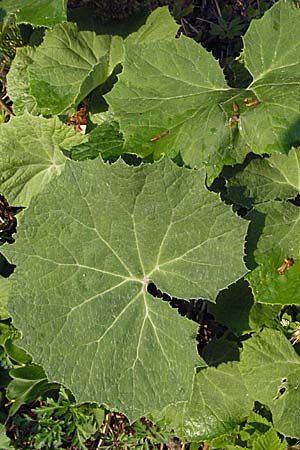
270,369
69,64
269,440
111,230
280,239
31,154
185,93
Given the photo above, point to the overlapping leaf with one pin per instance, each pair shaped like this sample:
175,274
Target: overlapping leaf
39,13
31,154
270,368
69,64
106,232
279,240
277,177
185,93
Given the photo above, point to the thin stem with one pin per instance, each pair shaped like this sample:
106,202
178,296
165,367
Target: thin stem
218,7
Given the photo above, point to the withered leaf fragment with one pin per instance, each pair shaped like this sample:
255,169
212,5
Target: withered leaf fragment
8,221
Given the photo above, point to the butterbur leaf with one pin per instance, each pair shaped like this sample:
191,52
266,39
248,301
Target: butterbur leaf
39,13
277,177
31,154
274,280
18,88
270,369
112,230
69,64
186,94
222,387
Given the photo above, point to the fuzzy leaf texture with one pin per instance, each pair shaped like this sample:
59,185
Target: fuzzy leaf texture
185,94
111,229
31,154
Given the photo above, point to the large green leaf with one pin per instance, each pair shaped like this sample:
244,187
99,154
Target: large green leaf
279,240
270,368
107,231
185,93
31,154
69,64
219,402
277,177
39,13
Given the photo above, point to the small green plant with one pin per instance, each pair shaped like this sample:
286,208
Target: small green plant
227,30
57,423
142,435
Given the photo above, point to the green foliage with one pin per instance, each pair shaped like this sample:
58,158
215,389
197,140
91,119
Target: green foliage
95,236
60,421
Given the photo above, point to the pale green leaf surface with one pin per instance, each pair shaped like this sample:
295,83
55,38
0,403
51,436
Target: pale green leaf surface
233,306
5,284
107,231
280,239
269,364
31,154
160,25
69,64
277,177
218,403
185,92
4,439
18,88
39,13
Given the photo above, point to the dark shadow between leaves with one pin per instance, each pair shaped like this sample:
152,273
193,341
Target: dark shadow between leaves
87,20
234,194
291,137
256,226
6,269
210,330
